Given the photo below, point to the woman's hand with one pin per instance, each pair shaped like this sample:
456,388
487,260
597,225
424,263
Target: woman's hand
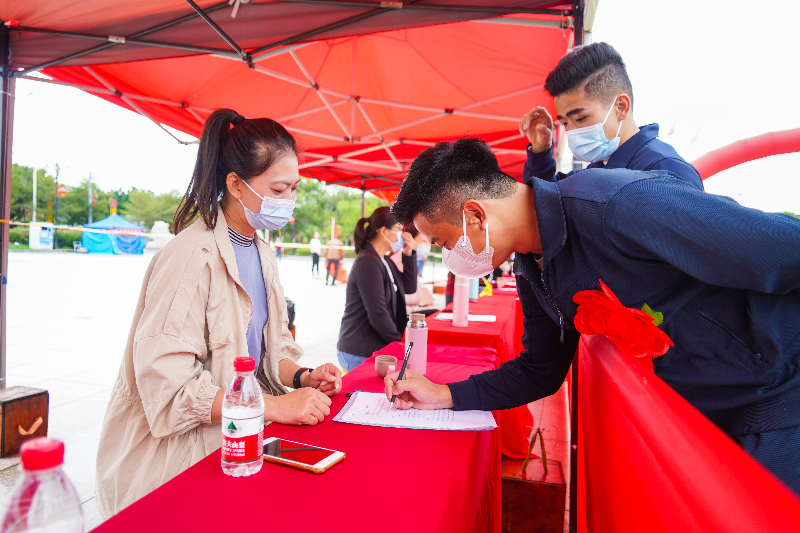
303,406
417,391
410,244
326,378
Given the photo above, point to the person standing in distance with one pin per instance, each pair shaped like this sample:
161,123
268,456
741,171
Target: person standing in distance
333,254
594,100
315,247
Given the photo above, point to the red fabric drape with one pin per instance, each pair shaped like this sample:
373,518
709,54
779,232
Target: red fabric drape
652,462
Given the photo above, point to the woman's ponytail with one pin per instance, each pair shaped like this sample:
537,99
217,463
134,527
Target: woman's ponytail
380,218
229,143
361,235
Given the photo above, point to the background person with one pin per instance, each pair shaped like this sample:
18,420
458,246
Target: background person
375,306
423,250
315,247
333,254
593,97
193,318
725,277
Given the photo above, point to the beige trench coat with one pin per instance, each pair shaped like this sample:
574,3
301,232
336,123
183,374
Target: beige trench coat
189,325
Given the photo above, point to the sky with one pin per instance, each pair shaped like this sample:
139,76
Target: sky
714,72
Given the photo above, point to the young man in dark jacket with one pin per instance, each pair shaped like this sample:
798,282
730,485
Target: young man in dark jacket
594,100
725,277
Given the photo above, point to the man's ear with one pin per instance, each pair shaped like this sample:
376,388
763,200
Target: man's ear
234,185
623,107
475,212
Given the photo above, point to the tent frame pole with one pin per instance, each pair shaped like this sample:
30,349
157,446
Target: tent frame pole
225,37
578,11
130,40
8,86
102,47
439,7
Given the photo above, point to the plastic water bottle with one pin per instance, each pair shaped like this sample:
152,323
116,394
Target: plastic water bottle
243,422
417,332
44,500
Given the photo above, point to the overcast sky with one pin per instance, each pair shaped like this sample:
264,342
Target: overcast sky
718,71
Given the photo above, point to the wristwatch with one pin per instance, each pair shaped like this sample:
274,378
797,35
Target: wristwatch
296,383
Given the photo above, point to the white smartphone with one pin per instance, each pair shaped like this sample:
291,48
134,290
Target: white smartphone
298,455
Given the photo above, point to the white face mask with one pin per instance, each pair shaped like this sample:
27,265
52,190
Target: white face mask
275,213
463,261
399,243
590,143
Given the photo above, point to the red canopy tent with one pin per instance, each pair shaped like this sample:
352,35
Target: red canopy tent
362,106
364,85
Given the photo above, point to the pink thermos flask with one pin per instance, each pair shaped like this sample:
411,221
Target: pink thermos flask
417,332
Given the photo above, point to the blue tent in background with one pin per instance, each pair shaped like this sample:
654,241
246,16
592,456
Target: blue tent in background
106,243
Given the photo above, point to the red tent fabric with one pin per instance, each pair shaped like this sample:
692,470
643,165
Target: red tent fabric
361,105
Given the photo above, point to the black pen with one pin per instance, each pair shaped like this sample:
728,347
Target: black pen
402,371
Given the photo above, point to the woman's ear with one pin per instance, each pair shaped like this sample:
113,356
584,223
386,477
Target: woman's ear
475,213
233,185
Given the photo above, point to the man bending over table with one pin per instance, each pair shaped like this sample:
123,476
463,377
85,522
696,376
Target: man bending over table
725,277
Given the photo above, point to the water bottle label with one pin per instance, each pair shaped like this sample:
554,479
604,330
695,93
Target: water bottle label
242,438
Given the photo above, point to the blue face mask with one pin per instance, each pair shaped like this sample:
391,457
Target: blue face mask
590,143
275,213
399,243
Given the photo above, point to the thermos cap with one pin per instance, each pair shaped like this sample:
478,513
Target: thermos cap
416,321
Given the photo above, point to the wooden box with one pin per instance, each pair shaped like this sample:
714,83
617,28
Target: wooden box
533,502
23,416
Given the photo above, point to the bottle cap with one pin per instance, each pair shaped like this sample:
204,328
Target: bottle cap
416,317
244,364
42,453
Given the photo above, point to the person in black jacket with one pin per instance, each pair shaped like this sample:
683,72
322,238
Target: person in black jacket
375,309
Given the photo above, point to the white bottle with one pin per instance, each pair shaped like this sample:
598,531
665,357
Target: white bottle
461,302
243,422
44,500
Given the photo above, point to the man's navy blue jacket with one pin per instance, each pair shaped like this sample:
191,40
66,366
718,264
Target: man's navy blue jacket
726,278
643,151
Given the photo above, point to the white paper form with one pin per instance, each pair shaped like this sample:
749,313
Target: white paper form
372,409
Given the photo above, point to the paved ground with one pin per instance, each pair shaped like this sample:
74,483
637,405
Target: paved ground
68,319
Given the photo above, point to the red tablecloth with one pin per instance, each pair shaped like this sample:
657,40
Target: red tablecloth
391,479
500,335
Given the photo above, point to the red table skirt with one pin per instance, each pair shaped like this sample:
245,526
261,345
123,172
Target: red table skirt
391,479
501,335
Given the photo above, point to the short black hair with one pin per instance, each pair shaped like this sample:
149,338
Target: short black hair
596,67
445,176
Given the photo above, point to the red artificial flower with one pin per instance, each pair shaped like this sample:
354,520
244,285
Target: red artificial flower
632,330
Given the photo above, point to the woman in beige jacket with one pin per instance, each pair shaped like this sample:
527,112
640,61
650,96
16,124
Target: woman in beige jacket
211,295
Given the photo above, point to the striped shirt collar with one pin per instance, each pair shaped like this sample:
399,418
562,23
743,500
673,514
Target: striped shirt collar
238,239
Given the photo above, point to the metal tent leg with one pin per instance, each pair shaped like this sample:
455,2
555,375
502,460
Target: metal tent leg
6,131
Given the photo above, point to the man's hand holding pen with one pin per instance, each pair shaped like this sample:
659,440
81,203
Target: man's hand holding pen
417,391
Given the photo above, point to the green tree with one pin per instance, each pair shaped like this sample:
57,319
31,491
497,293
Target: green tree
145,207
73,207
317,203
22,194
